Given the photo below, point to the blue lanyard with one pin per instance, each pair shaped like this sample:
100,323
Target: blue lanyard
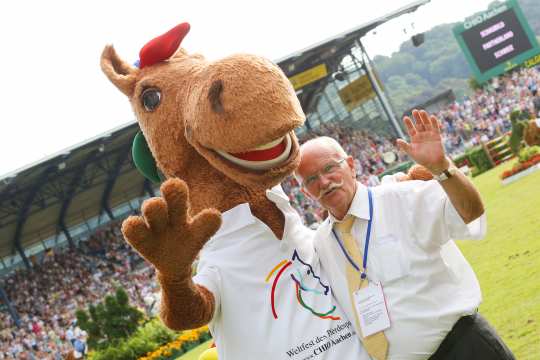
366,245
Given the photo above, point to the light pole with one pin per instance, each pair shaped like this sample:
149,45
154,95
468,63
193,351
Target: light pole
378,91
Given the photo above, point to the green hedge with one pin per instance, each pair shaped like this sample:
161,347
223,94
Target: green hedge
147,338
462,160
479,159
151,338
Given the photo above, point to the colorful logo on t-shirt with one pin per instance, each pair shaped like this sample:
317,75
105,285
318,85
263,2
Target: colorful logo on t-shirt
303,278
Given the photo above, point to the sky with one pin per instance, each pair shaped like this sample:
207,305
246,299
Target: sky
53,94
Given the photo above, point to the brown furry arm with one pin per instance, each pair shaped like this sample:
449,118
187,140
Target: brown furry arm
185,305
168,238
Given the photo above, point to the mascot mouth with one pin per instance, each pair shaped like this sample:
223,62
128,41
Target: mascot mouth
262,157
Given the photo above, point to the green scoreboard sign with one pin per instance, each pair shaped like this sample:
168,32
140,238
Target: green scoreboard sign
496,40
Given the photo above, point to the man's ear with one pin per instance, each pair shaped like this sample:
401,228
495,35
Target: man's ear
350,163
120,73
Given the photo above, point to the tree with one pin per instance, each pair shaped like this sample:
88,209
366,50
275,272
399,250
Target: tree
473,84
109,321
519,123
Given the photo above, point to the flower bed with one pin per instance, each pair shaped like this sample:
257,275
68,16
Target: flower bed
182,344
521,169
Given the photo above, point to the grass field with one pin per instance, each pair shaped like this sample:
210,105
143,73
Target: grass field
507,262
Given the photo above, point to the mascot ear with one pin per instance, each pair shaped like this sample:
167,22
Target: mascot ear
143,159
121,74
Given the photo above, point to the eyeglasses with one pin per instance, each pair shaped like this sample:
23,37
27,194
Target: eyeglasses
328,169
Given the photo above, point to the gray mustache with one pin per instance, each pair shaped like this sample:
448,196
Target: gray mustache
330,187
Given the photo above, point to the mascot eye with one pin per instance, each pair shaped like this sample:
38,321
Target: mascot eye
151,98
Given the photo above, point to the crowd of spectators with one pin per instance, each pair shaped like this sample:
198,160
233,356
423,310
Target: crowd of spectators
486,114
64,279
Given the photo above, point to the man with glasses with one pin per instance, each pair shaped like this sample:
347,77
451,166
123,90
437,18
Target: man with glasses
389,255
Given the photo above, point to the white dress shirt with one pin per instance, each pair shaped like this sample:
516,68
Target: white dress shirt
260,313
427,282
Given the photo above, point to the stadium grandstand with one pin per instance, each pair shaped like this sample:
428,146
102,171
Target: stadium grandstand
58,199
60,217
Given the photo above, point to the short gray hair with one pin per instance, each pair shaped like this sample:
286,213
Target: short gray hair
329,142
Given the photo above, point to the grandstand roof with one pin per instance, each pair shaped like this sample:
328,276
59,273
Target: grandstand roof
62,190
332,51
88,179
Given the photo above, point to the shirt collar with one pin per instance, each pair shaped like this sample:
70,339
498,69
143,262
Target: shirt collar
234,219
277,195
240,216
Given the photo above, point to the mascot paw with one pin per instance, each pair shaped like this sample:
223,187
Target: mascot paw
419,172
166,235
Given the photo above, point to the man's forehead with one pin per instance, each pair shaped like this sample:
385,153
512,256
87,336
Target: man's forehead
315,157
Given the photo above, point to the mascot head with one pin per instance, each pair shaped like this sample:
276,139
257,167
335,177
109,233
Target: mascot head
236,114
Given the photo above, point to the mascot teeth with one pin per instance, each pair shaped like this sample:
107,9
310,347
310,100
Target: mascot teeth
262,157
270,144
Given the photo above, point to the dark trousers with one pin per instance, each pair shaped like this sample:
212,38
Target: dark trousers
472,338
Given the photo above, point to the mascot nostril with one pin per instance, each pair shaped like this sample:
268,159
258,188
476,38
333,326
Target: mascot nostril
214,96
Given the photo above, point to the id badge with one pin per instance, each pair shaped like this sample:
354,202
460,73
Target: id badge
371,309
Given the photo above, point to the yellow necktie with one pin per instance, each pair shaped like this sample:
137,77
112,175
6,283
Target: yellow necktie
376,344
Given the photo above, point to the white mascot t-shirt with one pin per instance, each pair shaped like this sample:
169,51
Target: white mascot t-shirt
272,300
